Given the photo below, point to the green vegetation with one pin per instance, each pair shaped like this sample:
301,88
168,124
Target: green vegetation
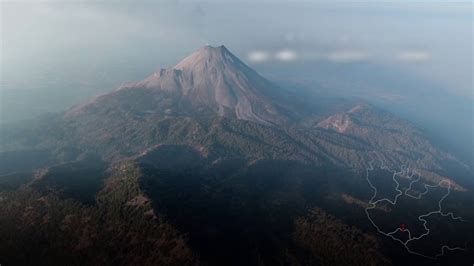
331,242
42,229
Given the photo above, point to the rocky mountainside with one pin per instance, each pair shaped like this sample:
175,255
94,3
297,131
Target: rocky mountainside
207,148
211,78
213,101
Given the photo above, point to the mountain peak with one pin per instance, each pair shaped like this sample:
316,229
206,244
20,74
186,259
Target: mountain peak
214,48
221,49
208,56
214,77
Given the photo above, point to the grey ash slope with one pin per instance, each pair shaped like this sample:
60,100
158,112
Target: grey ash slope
213,78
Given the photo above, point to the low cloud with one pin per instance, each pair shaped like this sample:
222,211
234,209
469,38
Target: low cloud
258,56
286,55
413,56
342,56
347,56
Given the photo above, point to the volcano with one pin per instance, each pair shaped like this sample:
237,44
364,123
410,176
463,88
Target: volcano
214,79
207,163
214,101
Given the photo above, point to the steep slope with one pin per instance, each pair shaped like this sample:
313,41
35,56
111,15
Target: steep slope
211,78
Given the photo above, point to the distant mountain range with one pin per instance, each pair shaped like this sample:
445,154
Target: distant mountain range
209,133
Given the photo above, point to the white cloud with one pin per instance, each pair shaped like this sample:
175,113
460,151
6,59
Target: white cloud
413,56
258,56
346,56
286,55
339,56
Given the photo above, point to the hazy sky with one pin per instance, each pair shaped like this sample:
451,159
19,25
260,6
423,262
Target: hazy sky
432,38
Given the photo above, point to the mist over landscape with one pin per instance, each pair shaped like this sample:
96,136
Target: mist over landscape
236,132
